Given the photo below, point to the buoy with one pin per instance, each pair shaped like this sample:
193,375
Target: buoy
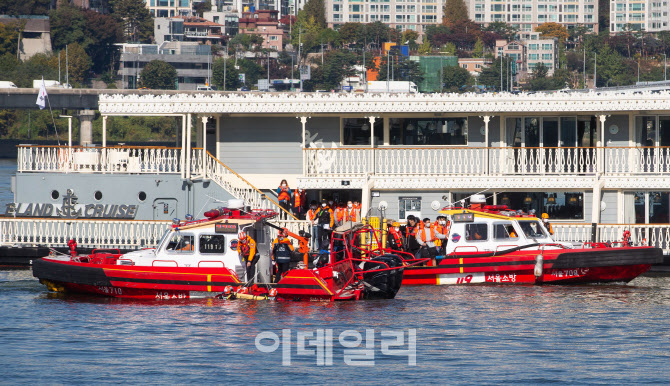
539,265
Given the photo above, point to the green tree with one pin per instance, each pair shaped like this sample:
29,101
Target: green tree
103,31
455,11
158,74
247,41
402,69
449,49
409,37
202,7
252,71
316,9
79,63
34,68
68,25
9,37
337,65
350,32
478,51
490,76
553,30
611,67
219,70
136,21
502,29
25,7
425,47
455,78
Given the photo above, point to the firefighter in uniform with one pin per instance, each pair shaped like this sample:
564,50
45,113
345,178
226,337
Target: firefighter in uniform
411,245
394,240
246,248
325,219
311,216
282,249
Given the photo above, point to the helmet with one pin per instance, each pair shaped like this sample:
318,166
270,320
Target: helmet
544,215
396,224
242,236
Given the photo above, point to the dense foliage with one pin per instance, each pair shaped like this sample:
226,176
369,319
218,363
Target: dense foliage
158,74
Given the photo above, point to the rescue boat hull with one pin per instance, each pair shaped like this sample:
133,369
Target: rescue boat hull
522,267
140,282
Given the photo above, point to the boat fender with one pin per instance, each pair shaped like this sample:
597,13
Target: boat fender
539,265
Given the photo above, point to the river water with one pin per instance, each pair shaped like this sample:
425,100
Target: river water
598,334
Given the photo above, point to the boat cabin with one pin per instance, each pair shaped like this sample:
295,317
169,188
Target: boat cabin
207,243
492,228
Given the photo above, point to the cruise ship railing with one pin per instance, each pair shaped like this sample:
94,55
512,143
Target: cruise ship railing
657,235
128,234
240,188
622,161
123,159
449,161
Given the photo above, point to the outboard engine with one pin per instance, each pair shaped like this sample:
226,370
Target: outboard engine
382,284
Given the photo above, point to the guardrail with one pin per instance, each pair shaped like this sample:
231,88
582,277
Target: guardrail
126,159
88,233
656,235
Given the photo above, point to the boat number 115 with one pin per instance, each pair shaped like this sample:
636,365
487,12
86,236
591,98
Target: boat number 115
463,280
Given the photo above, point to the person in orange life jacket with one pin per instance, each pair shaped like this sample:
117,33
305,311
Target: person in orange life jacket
547,224
426,237
353,214
394,240
339,214
246,248
411,244
284,198
311,216
325,220
299,204
282,248
441,227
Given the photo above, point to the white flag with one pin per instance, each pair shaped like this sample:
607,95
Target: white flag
42,96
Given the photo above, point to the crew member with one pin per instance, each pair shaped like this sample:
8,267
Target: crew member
353,214
547,224
281,254
325,220
394,240
441,227
299,204
340,213
311,216
426,238
411,245
246,248
284,197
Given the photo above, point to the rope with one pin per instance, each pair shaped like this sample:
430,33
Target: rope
52,119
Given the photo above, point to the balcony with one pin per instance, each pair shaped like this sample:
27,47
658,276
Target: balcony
483,162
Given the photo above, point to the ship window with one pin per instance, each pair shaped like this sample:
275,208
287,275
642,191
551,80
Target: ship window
428,131
356,131
212,244
97,195
504,231
55,194
476,232
180,243
142,196
531,229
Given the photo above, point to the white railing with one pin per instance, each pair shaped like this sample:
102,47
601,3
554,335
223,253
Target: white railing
128,234
657,235
238,187
637,160
63,159
543,160
435,161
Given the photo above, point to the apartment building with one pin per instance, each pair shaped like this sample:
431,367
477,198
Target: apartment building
650,16
401,14
527,15
170,8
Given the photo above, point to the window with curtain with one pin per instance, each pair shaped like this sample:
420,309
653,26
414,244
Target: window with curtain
356,131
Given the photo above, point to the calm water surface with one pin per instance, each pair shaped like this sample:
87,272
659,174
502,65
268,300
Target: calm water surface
600,334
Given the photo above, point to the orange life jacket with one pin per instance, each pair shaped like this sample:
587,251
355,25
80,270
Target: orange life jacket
339,214
312,213
284,195
422,234
298,199
352,214
443,230
397,237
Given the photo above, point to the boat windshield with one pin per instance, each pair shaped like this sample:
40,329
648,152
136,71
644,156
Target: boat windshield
160,243
532,229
